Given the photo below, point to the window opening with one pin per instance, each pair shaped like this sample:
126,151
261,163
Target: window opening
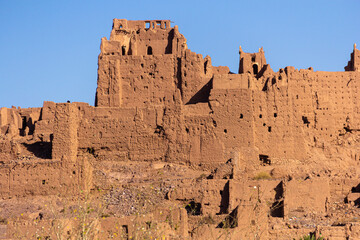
123,50
255,69
149,50
264,159
147,25
305,120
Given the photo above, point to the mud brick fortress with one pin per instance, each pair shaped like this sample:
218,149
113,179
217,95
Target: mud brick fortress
264,154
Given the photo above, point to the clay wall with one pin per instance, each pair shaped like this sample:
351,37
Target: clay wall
152,42
140,24
44,127
233,81
121,72
131,81
125,134
44,177
193,77
147,80
204,146
121,133
340,187
232,113
65,143
328,100
10,121
18,121
150,37
308,196
213,196
299,109
274,123
354,63
153,37
252,63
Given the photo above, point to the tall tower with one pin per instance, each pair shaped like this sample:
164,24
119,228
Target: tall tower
133,57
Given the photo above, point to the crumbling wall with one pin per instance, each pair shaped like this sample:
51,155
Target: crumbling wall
194,77
306,196
127,133
147,37
10,121
46,177
252,63
65,143
232,116
44,127
354,63
138,63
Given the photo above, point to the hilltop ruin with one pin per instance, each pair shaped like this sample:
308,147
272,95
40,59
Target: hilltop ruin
263,154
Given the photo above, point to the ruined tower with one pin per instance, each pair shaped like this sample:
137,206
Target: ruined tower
354,63
252,63
132,58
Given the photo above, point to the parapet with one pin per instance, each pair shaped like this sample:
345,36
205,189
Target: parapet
123,24
140,38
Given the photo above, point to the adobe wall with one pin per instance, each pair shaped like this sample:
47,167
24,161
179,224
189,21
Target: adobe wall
158,101
354,63
123,77
311,109
295,109
144,37
176,105
44,177
252,63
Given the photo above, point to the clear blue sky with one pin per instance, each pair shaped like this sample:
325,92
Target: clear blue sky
49,49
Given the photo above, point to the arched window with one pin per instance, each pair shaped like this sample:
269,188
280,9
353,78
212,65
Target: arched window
123,50
255,69
149,50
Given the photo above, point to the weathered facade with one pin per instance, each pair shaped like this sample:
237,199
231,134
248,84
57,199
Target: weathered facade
157,101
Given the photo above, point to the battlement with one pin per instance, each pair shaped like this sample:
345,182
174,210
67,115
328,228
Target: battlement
124,24
146,37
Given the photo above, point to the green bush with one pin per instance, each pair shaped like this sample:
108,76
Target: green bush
310,237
